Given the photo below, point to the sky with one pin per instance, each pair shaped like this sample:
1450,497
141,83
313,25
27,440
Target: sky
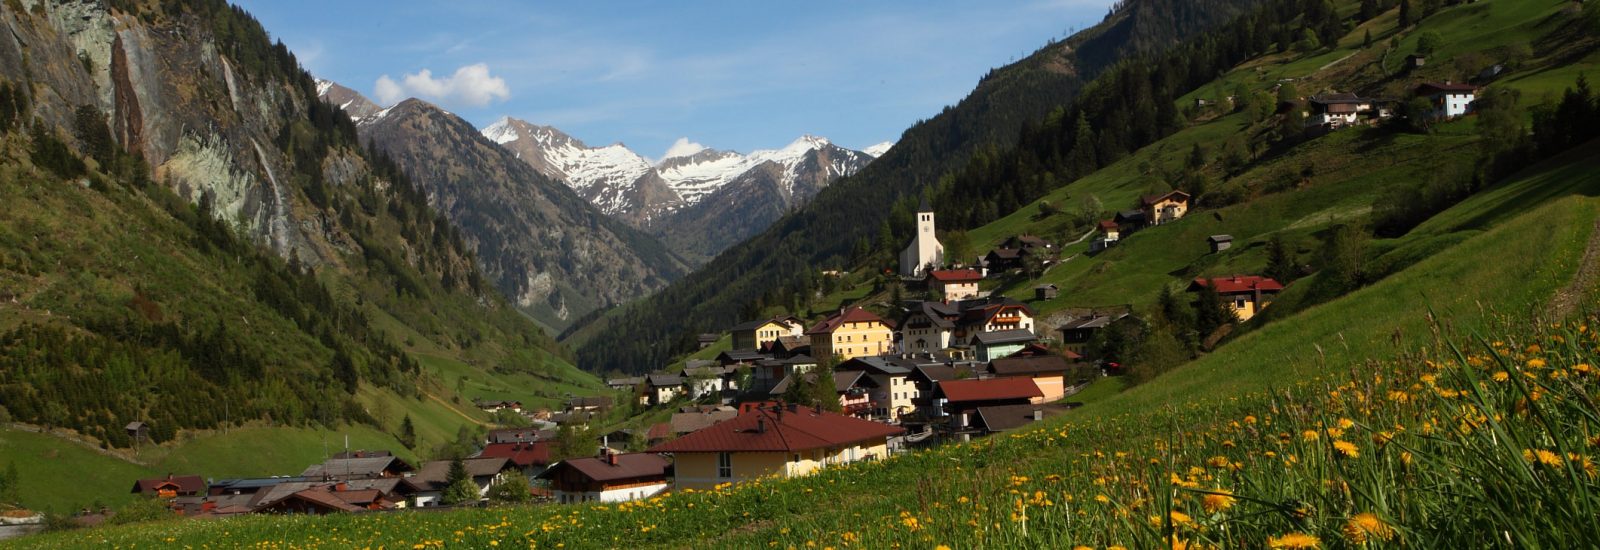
739,76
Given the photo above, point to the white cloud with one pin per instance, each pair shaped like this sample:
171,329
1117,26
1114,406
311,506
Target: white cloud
683,148
470,86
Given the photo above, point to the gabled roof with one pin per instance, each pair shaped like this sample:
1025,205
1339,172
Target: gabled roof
1237,284
1108,225
788,429
1129,216
369,466
180,484
1004,337
628,381
435,475
659,380
599,401
989,389
521,454
852,315
658,431
741,356
1002,418
844,380
1039,364
956,275
628,466
878,365
785,320
1339,98
686,422
509,435
1429,88
1174,194
937,373
320,497
1220,238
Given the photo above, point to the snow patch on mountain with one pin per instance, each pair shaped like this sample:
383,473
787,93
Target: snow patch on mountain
879,149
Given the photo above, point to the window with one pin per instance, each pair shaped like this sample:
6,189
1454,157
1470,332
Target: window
724,465
1238,303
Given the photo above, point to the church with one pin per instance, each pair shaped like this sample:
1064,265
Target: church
924,250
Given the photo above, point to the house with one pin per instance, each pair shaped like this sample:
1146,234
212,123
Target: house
735,357
1110,233
610,477
924,250
761,332
926,378
708,380
1082,325
1219,243
690,421
706,339
852,333
1004,418
1129,221
1164,207
961,397
1449,100
596,403
893,395
625,383
171,486
1246,295
1046,291
779,440
518,435
955,284
434,477
1047,370
767,373
497,406
789,346
1014,252
855,392
662,388
137,431
1336,110
930,327
323,500
321,497
358,467
529,458
993,345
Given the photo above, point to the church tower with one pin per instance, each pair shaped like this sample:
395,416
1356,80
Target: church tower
924,250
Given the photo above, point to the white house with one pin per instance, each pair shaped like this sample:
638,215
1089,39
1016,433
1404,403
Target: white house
1449,100
924,249
610,477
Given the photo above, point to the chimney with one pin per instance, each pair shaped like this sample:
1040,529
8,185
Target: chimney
761,425
611,458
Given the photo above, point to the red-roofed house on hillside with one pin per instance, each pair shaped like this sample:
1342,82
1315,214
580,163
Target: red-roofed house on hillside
530,458
171,486
955,284
1246,295
852,333
610,477
783,440
964,395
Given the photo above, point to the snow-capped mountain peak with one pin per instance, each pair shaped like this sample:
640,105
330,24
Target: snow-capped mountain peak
879,149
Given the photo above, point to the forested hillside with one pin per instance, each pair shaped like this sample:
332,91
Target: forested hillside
193,240
785,258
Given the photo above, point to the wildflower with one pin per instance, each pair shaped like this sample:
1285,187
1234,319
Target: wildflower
1345,423
1501,376
1542,456
1347,449
1309,435
1217,501
1217,462
1366,526
1536,363
1295,541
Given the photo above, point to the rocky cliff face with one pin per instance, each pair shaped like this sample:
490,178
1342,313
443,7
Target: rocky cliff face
545,246
615,179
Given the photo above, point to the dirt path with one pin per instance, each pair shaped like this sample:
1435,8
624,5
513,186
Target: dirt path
1566,300
452,408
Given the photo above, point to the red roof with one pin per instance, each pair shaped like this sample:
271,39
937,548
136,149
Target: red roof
989,389
787,429
183,485
521,454
956,275
852,315
1108,224
659,430
628,466
1238,284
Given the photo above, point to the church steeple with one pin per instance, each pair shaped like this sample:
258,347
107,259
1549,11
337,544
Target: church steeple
924,250
926,206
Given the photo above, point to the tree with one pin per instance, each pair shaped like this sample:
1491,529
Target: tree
814,388
459,487
1405,13
1175,313
408,433
1418,115
1280,261
572,441
1210,313
514,489
1369,10
1366,41
1344,257
1429,42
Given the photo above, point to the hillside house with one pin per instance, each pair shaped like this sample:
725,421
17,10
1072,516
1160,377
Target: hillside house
359,466
708,381
960,398
926,378
1046,291
434,477
762,332
1047,370
1082,325
610,477
1338,110
170,487
589,404
988,346
706,339
855,390
924,251
1004,418
1219,243
492,407
930,327
1129,222
662,388
624,384
780,440
852,333
955,284
530,459
1164,207
1246,295
1015,252
518,435
137,432
1416,61
789,346
736,357
892,395
1449,100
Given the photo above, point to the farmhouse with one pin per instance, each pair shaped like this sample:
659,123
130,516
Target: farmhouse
1246,295
610,477
955,284
1336,110
779,440
852,333
1164,207
1449,100
171,486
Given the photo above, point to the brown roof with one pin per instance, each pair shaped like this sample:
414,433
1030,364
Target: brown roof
521,454
659,430
324,498
1175,194
1428,88
182,484
956,275
628,466
1006,417
1238,284
852,315
1040,364
786,429
989,389
434,475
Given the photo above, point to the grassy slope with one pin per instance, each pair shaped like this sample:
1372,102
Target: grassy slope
60,476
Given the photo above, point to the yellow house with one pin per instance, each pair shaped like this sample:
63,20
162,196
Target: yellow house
780,440
1246,295
755,334
1165,207
852,333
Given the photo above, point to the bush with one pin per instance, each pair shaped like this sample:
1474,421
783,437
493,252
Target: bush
515,489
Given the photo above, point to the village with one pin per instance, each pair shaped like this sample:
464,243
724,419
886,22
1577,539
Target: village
791,397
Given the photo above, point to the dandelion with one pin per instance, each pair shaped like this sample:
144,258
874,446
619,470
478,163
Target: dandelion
1347,449
1542,456
1366,526
1217,501
1295,541
1501,376
1308,435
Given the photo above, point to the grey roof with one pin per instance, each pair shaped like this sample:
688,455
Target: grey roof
844,380
939,314
354,467
697,363
714,370
741,355
1220,238
1006,417
434,475
1004,337
878,364
938,373
628,381
686,422
252,484
658,380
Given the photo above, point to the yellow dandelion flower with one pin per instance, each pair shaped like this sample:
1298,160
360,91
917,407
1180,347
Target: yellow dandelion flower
1347,449
1541,456
1309,435
1366,526
1345,423
1536,363
1501,376
1295,541
1217,502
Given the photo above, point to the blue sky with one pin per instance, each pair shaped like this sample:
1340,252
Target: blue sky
730,75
